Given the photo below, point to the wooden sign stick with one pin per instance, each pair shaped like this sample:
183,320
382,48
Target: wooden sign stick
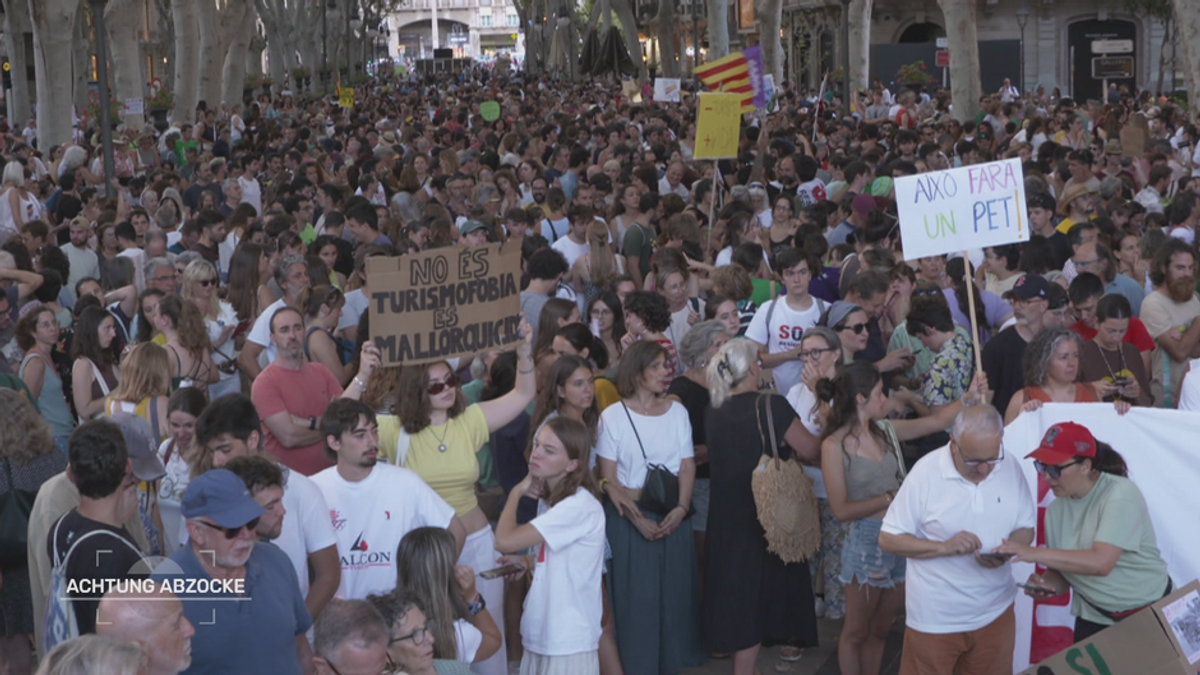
968,275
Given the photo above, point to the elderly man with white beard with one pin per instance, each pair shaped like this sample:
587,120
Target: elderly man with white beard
152,620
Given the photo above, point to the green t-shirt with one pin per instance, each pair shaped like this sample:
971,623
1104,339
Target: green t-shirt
308,235
762,291
181,149
1114,512
639,242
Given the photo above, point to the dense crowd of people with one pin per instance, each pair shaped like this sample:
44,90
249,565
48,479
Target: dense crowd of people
190,385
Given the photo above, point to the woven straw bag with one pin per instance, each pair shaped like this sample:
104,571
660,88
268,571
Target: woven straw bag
784,497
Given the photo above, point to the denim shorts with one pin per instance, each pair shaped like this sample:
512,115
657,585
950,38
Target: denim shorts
862,560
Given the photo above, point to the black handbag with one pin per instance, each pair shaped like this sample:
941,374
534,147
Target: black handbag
660,492
15,507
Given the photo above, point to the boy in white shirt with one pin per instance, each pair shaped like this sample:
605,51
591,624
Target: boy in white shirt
778,326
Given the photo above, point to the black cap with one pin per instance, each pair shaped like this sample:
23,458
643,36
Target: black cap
1031,286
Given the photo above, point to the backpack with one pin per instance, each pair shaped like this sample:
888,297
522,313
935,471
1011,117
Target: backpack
61,624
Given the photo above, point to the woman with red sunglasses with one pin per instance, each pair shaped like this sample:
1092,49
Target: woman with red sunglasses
440,435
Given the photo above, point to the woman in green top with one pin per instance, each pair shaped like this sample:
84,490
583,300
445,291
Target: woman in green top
1099,537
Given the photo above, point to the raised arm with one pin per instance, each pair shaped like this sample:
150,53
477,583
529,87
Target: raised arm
499,412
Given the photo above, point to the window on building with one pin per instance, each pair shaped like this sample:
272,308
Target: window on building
512,19
485,20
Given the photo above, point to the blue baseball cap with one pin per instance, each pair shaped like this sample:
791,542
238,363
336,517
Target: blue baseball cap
222,497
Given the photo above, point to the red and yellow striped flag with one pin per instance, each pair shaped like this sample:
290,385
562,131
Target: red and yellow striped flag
729,74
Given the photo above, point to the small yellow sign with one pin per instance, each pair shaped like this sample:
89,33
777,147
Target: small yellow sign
346,97
718,125
513,36
7,67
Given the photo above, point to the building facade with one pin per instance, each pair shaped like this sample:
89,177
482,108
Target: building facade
471,28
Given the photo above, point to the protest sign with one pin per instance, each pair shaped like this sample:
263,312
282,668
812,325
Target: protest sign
448,302
666,90
754,65
346,97
134,106
769,92
970,207
631,91
489,111
718,126
1166,468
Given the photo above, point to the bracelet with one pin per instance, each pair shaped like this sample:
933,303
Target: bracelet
478,605
525,372
888,496
685,508
361,385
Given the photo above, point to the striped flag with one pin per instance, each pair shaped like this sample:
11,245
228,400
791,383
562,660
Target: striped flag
729,74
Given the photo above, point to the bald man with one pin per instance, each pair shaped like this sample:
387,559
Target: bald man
155,621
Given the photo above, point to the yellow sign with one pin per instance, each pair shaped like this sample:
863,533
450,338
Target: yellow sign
346,97
6,66
513,36
718,126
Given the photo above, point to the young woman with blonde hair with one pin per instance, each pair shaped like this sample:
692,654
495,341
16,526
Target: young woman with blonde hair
145,383
187,343
220,319
594,270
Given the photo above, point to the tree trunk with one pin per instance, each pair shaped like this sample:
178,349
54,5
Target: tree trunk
254,52
860,43
17,23
123,23
53,72
1187,15
770,17
718,29
185,16
668,55
81,58
624,12
965,87
233,73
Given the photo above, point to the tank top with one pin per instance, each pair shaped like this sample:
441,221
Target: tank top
52,402
867,478
1083,394
146,409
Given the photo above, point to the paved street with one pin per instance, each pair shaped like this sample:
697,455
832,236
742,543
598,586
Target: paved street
819,661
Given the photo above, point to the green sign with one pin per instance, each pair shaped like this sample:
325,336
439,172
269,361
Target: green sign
490,111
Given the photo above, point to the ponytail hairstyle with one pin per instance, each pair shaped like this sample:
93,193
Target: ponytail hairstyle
185,316
311,299
843,390
600,255
576,440
731,366
1108,460
581,338
955,269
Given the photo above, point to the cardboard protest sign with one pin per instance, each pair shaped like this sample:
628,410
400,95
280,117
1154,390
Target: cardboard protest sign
960,209
346,97
1146,642
489,111
448,302
666,90
1133,140
718,126
631,91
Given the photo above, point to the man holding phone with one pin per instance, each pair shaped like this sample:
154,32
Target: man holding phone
955,508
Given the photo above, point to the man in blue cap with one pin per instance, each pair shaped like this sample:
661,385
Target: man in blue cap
243,598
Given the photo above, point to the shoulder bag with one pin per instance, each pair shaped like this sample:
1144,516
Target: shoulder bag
660,492
15,507
784,497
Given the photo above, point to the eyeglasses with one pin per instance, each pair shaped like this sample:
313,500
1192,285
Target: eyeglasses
169,277
231,532
390,669
857,328
1052,471
815,353
975,463
207,282
436,388
417,636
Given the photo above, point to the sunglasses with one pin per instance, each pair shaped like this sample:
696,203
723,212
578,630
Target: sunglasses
231,532
207,282
1051,471
857,328
436,388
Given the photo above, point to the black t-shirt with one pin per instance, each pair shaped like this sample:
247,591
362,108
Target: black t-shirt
97,560
1002,363
1062,249
68,207
695,400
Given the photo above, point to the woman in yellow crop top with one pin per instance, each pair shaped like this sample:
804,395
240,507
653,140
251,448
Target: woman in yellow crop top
441,435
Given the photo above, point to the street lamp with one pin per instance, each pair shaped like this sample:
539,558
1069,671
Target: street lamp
1022,19
102,82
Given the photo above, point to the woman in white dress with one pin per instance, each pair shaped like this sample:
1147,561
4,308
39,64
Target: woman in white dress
219,319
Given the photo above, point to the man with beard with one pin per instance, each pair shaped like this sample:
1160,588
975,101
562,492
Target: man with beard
84,262
372,505
1002,354
152,620
243,599
1169,314
292,393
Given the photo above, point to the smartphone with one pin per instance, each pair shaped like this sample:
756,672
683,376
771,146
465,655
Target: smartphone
996,556
502,571
1038,589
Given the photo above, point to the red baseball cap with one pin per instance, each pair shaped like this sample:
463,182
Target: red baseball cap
1064,442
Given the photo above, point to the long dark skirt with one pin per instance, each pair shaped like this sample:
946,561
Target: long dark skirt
655,596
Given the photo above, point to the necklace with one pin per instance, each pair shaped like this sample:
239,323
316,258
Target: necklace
442,440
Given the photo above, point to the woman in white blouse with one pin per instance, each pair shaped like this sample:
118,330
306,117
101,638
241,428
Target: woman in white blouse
653,579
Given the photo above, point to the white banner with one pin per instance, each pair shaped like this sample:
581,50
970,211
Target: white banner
959,209
1157,447
666,90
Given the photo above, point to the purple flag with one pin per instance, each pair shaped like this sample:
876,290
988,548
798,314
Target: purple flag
755,66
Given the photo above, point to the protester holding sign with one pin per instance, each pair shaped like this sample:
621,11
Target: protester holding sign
1099,537
439,439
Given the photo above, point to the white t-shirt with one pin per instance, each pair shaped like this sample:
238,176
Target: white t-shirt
785,332
569,249
306,525
955,594
679,327
553,230
260,332
370,517
563,608
467,640
810,193
170,496
804,402
1189,389
352,311
667,440
664,188
251,192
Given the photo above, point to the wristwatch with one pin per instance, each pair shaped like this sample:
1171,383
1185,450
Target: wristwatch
478,606
312,424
